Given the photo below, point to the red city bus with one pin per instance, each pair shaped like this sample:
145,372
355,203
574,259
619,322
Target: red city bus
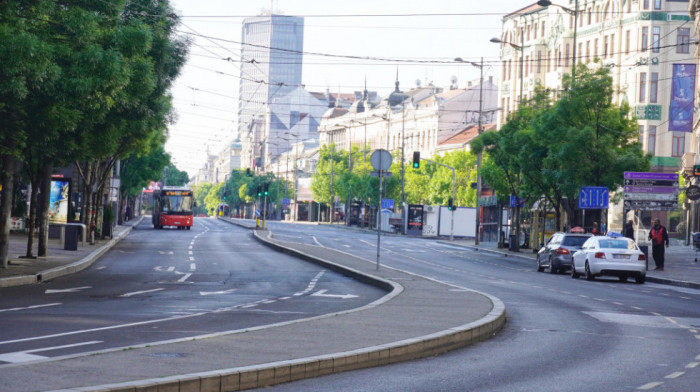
172,206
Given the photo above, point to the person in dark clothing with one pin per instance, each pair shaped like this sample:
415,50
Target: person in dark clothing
629,230
659,238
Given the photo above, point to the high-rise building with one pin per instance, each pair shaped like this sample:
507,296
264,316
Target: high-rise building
271,60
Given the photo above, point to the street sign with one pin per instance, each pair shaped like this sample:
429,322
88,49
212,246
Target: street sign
651,191
693,192
513,202
380,159
593,197
388,204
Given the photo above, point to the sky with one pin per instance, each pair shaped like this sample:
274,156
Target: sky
345,43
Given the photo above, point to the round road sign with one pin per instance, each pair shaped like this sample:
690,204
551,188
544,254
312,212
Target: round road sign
380,159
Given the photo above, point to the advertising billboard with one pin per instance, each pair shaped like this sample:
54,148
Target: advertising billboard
59,199
682,98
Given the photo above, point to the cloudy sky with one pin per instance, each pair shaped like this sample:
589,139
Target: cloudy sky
344,43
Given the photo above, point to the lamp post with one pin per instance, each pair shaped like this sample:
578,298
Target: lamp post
522,52
574,12
480,130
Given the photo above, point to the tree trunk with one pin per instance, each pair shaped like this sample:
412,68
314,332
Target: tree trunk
45,176
31,222
7,180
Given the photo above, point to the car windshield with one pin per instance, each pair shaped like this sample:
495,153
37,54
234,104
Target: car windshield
574,240
617,243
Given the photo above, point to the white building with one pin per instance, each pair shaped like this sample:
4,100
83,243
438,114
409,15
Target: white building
645,43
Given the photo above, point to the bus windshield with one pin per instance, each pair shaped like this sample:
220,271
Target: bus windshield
176,204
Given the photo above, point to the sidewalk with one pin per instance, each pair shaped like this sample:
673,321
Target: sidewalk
58,262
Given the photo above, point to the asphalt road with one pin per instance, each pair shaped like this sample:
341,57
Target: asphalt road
160,285
561,335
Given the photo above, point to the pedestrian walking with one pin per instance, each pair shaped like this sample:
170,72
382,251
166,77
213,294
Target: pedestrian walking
659,241
629,230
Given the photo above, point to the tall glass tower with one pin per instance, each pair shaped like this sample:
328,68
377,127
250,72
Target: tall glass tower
271,57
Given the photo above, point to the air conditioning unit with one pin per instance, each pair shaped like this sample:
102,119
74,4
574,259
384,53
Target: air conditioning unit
429,208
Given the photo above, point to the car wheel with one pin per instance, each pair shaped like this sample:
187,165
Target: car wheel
540,268
589,275
574,274
552,269
640,279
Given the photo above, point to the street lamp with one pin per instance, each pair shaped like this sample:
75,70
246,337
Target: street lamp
521,48
480,130
574,12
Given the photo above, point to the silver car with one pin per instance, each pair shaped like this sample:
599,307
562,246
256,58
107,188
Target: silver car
610,256
556,254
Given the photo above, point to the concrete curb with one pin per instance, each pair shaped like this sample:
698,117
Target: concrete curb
68,269
265,375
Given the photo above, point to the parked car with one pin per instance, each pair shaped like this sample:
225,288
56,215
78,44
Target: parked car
556,254
609,256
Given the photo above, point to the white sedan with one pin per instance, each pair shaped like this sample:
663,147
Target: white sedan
609,256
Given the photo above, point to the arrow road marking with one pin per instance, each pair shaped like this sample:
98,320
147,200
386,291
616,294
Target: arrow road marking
217,292
166,253
162,268
141,292
322,293
71,290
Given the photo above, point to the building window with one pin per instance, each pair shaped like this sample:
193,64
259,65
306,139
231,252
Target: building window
657,4
588,51
539,61
678,147
566,58
595,48
534,31
542,27
645,38
646,5
628,36
683,41
641,134
642,87
651,145
612,45
656,39
654,87
605,46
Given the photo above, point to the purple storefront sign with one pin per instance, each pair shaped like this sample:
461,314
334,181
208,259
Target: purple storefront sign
680,113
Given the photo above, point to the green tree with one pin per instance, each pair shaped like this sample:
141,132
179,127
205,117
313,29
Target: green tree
175,177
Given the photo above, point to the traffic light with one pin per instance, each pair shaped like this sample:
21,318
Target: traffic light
416,159
259,191
247,173
266,189
451,204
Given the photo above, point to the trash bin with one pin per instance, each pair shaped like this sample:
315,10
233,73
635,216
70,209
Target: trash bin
512,242
645,250
71,238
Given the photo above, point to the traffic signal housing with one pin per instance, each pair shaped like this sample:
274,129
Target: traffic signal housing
247,173
259,191
266,189
451,204
416,159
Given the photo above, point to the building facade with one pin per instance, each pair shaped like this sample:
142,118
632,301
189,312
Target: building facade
271,64
645,43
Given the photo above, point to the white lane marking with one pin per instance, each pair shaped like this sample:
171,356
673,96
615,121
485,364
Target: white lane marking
675,375
322,293
140,292
312,284
166,252
30,307
162,268
27,356
185,277
692,365
100,268
316,241
71,290
193,266
191,258
190,252
217,292
649,386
